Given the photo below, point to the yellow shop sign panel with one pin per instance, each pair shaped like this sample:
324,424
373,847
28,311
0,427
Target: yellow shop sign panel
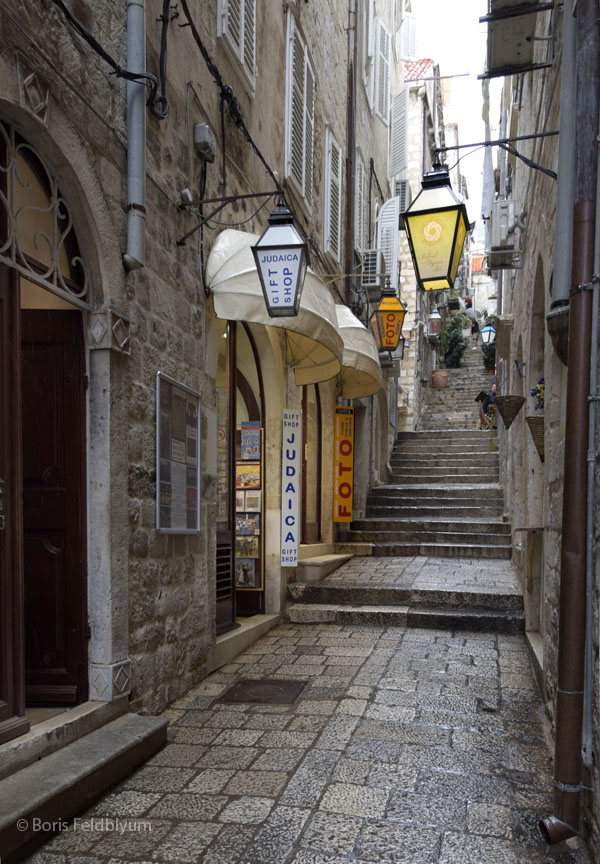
343,472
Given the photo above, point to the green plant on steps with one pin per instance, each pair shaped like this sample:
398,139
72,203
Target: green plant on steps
489,356
456,343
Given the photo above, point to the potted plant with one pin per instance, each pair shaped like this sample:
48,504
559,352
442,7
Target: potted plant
456,342
453,301
536,421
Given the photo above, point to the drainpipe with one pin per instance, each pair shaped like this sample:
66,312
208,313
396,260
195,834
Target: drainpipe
564,822
350,146
135,257
558,317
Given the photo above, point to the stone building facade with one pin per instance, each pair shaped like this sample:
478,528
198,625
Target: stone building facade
147,291
533,334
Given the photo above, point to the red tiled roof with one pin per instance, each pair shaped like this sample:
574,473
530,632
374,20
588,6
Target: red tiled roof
416,69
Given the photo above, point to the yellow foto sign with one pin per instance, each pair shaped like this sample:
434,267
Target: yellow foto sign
343,464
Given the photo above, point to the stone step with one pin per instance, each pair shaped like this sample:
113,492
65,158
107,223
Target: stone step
415,536
440,494
442,434
418,510
426,477
481,620
484,461
393,526
316,568
440,550
390,595
59,786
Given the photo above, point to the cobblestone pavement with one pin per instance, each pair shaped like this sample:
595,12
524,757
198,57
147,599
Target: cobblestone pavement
429,574
405,745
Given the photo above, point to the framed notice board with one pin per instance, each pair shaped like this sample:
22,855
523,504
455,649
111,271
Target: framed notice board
177,457
249,528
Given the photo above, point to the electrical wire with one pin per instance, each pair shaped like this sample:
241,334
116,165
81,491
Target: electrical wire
530,162
145,78
162,99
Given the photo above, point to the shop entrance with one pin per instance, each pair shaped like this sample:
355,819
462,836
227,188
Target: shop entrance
241,478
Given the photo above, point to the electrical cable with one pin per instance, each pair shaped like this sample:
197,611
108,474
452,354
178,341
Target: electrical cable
162,99
529,162
145,78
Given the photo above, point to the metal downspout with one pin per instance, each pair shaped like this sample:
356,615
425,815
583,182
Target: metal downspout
351,296
135,256
564,822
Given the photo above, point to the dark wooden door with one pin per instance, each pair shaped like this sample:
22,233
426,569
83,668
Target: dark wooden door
54,506
12,696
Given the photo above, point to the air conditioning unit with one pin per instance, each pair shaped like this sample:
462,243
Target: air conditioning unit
504,250
403,192
373,270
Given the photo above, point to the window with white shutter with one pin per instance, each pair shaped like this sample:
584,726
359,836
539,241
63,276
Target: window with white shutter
382,72
388,222
333,197
408,37
398,163
361,215
368,49
299,107
236,25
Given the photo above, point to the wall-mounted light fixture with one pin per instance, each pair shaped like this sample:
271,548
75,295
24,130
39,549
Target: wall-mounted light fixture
281,259
388,319
436,227
488,334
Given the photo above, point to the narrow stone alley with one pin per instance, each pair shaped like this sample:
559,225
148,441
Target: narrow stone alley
394,718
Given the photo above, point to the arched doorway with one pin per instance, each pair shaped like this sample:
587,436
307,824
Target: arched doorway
43,288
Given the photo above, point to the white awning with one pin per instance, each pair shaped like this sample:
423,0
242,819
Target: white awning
314,344
361,373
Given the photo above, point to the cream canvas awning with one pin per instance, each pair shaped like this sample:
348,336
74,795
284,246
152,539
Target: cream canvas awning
314,344
361,373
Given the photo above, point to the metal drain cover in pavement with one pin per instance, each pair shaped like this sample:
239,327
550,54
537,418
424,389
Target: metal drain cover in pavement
282,692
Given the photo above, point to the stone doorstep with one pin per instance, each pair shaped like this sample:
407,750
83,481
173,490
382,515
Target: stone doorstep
229,645
65,783
316,568
57,732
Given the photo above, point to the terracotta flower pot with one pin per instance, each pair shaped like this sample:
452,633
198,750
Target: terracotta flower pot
439,378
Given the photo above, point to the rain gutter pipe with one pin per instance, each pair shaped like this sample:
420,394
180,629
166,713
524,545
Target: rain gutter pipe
135,256
352,49
558,317
564,822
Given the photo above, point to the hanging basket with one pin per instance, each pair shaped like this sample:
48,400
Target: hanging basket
536,427
509,407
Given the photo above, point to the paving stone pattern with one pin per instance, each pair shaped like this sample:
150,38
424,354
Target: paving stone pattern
406,745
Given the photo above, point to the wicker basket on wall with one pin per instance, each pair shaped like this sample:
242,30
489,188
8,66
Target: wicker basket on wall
509,407
536,427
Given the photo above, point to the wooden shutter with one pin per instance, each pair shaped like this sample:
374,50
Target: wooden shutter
300,99
387,237
360,196
408,37
333,201
399,134
382,72
236,23
369,48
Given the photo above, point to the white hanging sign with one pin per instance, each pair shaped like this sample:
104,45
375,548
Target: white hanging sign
290,487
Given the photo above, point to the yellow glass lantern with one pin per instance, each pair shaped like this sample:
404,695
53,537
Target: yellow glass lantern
436,226
387,320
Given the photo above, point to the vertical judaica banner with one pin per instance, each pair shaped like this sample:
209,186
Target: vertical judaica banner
290,488
343,464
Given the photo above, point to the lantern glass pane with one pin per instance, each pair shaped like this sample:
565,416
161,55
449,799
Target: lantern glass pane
432,236
460,241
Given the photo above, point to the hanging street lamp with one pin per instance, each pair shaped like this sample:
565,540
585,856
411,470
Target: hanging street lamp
281,260
433,325
436,226
387,320
488,334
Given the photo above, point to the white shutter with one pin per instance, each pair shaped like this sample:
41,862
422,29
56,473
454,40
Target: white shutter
387,237
368,26
403,191
333,199
399,134
382,72
360,197
236,24
299,123
408,37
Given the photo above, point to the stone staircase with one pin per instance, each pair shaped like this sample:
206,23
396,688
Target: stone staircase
444,501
